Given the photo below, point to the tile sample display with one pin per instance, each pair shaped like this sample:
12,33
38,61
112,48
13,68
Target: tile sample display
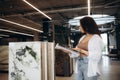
29,61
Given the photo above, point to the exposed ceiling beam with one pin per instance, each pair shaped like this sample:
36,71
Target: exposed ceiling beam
60,10
113,2
63,18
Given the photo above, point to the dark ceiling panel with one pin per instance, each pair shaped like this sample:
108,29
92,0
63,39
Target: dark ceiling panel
59,10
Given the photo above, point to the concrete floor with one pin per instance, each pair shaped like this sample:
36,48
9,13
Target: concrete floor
110,69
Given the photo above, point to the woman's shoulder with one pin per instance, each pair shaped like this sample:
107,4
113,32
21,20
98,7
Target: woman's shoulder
96,38
96,35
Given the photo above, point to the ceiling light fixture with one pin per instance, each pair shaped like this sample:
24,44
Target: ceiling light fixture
88,7
37,9
20,25
99,19
16,32
4,35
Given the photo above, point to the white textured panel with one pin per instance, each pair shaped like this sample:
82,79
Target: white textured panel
24,61
31,61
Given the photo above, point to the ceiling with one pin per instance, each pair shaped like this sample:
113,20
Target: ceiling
59,10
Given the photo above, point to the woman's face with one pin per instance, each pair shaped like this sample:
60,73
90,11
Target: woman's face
81,29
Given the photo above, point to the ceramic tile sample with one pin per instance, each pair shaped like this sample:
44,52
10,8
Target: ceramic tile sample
31,61
24,61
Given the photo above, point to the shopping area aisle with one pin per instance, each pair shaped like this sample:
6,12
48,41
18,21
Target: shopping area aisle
110,69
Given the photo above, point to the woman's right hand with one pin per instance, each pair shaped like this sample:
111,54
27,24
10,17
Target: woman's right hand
77,49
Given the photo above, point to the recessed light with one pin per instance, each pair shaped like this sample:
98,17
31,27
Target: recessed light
16,32
37,9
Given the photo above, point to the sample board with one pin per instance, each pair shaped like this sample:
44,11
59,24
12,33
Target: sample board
31,61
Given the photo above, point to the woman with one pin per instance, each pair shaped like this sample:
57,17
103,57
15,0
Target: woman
90,50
